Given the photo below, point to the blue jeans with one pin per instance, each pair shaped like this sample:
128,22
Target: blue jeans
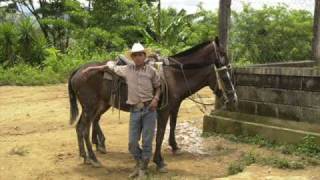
142,123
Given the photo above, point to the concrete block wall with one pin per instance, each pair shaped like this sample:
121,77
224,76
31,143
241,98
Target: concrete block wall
291,93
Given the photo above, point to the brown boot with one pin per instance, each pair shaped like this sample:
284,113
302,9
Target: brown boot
143,169
135,171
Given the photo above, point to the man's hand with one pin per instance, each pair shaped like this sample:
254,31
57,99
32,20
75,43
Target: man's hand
85,73
154,104
86,70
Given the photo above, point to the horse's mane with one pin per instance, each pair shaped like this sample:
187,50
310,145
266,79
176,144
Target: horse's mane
191,50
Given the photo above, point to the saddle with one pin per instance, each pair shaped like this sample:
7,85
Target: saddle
119,90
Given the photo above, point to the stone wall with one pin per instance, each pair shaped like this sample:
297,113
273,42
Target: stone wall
279,101
306,63
291,93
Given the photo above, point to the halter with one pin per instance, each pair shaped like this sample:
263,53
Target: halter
221,85
217,70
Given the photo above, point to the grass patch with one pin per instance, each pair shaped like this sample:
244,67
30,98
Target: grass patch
307,147
235,168
273,161
238,166
281,163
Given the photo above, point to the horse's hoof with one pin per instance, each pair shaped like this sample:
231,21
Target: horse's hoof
86,161
177,152
95,164
101,150
162,169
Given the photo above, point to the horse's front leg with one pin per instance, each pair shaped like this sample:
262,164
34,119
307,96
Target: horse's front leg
161,127
173,122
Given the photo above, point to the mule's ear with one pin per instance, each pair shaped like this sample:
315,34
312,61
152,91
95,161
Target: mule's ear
217,41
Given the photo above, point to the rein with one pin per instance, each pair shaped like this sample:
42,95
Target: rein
181,67
187,66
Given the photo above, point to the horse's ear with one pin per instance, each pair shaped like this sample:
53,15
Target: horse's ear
217,41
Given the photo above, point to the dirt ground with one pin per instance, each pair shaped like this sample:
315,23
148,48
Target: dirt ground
37,142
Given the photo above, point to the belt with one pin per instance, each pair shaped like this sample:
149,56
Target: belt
141,105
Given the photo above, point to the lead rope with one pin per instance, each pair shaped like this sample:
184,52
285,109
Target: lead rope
187,84
220,86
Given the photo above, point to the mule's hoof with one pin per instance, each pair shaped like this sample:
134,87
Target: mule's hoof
177,152
101,150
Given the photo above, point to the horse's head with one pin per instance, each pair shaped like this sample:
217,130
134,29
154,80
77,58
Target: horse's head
212,64
222,70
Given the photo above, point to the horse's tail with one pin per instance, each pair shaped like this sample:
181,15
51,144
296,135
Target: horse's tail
74,111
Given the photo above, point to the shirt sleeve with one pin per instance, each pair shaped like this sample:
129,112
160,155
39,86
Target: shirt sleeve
156,79
119,70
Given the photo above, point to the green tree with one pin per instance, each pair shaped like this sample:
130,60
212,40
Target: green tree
203,28
56,19
271,34
31,42
8,41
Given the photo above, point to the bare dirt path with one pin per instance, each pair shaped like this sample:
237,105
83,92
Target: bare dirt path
37,142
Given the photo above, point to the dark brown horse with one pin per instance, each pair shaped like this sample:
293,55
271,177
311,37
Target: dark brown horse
188,72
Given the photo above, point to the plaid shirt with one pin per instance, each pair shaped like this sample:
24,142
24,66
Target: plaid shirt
141,82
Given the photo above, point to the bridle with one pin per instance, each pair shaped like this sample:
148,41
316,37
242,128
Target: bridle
221,85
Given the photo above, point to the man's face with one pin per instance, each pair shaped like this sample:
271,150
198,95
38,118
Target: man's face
138,58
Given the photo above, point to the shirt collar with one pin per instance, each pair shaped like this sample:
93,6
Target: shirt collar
143,68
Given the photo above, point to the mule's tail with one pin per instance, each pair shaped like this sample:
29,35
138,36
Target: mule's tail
73,101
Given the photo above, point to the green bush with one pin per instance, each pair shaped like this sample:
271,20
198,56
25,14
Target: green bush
56,68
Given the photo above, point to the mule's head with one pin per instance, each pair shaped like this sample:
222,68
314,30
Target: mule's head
222,70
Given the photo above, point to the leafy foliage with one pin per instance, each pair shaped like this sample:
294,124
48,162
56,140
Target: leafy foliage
78,34
271,34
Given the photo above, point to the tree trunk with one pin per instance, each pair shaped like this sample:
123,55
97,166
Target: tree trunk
316,33
224,21
44,28
159,22
89,5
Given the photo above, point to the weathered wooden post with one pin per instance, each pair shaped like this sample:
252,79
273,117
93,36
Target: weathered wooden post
159,22
316,33
224,21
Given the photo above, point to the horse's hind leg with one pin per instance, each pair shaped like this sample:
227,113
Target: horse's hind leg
97,135
79,130
92,159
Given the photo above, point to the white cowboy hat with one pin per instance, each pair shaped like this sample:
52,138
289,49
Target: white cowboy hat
137,47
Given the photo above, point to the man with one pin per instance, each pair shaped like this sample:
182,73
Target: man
143,95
